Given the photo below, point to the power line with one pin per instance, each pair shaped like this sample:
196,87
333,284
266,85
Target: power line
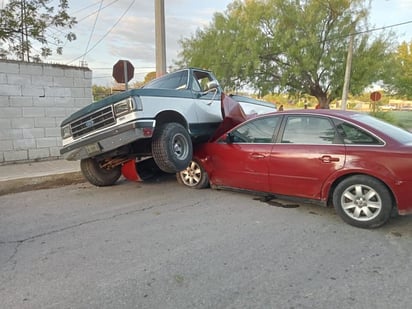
106,34
94,26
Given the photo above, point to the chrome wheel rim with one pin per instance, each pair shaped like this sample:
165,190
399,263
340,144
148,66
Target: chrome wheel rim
361,203
180,146
192,175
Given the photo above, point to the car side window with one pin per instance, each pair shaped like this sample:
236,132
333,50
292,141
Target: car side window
309,130
355,135
257,131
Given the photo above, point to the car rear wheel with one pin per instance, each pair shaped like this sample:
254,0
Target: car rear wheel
194,176
172,147
363,201
97,175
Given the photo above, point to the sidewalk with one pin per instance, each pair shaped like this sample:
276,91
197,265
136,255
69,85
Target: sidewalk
22,177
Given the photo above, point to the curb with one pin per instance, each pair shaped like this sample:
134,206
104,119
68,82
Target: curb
40,182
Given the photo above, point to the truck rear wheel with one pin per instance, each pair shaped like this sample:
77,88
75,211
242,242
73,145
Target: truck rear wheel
98,175
172,147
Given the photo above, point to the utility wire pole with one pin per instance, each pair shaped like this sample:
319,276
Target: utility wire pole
160,38
347,72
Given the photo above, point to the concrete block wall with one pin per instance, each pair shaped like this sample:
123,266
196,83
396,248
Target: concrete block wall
34,99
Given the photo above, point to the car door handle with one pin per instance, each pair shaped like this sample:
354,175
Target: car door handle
257,155
329,159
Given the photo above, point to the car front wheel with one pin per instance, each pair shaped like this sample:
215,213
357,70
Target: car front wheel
363,201
194,176
172,147
97,175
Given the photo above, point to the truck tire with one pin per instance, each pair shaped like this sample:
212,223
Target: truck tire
97,175
172,147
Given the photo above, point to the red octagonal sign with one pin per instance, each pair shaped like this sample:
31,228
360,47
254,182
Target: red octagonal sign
375,96
123,71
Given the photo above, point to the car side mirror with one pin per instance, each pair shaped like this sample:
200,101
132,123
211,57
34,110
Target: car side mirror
228,139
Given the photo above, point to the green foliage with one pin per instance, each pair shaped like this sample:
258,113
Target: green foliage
296,47
400,80
100,92
23,22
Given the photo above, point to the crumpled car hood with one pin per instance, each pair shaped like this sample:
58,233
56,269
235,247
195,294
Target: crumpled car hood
233,114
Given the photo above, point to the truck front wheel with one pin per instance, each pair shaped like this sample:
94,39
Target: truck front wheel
98,175
172,147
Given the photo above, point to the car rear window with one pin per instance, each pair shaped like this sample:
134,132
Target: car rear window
397,133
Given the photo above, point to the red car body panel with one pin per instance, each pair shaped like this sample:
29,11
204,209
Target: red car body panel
309,171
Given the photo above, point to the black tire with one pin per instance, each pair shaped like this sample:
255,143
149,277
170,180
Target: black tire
97,175
363,201
194,176
172,147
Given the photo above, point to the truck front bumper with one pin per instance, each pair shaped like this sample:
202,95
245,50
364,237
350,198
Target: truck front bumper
108,140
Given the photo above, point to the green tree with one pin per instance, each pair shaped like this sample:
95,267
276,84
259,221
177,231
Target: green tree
100,92
299,47
23,22
400,81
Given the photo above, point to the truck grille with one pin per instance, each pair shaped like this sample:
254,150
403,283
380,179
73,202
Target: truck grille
98,120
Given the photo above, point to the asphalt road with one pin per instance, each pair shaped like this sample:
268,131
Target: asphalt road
161,245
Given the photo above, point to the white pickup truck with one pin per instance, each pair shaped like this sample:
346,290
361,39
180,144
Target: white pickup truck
161,120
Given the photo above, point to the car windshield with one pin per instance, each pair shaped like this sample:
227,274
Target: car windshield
177,80
395,132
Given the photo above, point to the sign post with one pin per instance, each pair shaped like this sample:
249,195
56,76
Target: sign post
375,96
123,72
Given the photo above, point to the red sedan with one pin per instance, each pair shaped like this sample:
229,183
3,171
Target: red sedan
353,161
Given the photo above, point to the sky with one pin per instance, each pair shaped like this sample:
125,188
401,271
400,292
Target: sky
110,30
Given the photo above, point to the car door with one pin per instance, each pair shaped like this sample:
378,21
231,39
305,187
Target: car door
307,151
207,103
241,161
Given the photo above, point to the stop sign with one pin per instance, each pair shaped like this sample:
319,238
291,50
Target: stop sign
123,71
375,96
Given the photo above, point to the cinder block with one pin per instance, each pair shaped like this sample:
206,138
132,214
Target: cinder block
24,144
18,79
11,134
44,122
53,132
9,67
55,112
33,133
77,92
21,101
12,90
33,68
63,82
57,92
52,71
33,112
42,80
11,112
6,145
46,142
22,123
3,78
55,151
5,123
43,101
39,153
33,91
20,155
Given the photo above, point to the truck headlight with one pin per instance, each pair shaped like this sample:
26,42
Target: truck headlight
66,131
123,107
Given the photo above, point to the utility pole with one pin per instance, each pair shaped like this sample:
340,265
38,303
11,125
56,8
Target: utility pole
160,38
347,72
